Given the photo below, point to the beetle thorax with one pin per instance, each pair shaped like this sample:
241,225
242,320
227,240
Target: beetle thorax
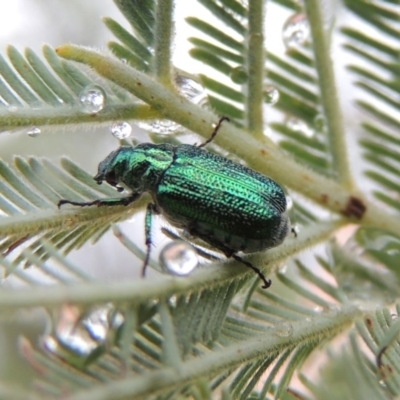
139,168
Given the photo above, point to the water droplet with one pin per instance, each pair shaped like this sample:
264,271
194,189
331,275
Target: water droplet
271,95
121,130
283,329
394,317
131,220
50,344
173,300
179,258
283,269
77,340
296,31
383,384
192,91
318,309
160,126
289,202
75,351
33,132
238,75
93,99
80,339
331,310
300,126
100,320
320,123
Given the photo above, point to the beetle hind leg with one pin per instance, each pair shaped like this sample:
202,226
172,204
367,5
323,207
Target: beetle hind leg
267,282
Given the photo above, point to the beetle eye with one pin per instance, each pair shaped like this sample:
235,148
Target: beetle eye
110,178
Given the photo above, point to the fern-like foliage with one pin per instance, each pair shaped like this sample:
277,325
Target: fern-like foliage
215,333
379,141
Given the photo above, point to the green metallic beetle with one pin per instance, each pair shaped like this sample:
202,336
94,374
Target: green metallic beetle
229,206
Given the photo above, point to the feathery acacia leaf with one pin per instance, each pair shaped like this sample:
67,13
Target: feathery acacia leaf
216,331
380,142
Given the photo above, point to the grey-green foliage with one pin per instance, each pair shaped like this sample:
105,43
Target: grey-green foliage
215,333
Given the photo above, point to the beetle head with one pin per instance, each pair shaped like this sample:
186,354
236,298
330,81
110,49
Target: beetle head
112,167
138,168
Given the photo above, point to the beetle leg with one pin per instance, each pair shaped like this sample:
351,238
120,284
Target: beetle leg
215,131
122,201
267,282
151,208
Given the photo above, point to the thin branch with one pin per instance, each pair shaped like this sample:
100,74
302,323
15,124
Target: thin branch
65,116
329,95
229,357
143,290
265,158
255,68
162,40
42,221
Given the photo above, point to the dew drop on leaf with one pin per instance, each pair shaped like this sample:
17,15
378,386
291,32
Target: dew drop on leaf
331,310
283,329
33,132
79,338
319,123
93,99
282,269
100,320
188,88
296,31
271,95
160,126
289,202
179,258
121,130
300,127
191,90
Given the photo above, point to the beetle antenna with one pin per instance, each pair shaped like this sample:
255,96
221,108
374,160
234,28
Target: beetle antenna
215,131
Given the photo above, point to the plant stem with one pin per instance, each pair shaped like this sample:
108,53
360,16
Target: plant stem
139,291
212,363
329,95
255,68
28,117
162,41
32,223
265,158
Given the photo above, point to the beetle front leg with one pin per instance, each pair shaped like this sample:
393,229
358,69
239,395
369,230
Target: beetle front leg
151,208
122,201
